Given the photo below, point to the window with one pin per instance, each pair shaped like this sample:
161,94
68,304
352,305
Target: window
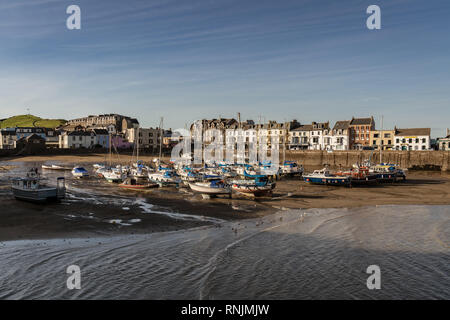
375,135
410,140
417,140
424,140
387,135
398,140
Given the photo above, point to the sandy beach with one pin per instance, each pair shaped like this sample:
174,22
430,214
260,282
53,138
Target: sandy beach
97,208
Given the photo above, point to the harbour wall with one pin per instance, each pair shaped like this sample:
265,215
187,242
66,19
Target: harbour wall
420,160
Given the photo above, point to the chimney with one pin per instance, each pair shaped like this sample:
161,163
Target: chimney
448,132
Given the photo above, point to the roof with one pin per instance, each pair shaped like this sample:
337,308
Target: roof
305,127
80,133
413,132
341,125
30,137
361,121
101,131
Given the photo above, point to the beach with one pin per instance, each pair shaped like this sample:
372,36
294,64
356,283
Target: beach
94,207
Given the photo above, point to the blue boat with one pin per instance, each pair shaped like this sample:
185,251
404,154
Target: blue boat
326,178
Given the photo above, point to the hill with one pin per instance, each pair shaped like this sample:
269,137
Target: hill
30,121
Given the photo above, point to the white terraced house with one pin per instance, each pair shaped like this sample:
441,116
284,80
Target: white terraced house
412,139
77,139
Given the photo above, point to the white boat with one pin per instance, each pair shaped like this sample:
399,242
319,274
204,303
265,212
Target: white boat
291,168
80,172
30,188
54,167
213,187
164,178
114,176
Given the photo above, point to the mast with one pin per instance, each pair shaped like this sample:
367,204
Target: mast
381,142
160,138
137,150
110,150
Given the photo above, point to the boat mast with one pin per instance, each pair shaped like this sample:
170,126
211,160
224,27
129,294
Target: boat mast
381,142
137,145
160,138
110,150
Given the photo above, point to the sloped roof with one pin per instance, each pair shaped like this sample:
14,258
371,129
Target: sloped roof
80,133
413,132
305,127
341,125
361,121
101,131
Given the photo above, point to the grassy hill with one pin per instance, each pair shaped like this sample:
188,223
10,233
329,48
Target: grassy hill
30,121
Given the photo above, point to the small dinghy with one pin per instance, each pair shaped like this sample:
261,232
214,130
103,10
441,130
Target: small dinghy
31,188
55,167
80,172
134,184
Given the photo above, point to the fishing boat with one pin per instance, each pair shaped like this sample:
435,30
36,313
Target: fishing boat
291,168
387,172
258,186
55,167
359,175
31,188
135,184
211,188
165,178
325,177
80,172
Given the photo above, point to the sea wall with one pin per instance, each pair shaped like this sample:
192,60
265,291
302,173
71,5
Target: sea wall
421,160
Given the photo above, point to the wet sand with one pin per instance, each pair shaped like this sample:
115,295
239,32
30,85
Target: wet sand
79,218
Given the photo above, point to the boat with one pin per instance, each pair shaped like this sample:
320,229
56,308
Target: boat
114,176
31,188
164,178
211,188
55,167
257,187
360,175
80,172
325,177
387,172
134,184
291,168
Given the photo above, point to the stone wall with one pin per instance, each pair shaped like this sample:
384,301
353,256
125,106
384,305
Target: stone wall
428,160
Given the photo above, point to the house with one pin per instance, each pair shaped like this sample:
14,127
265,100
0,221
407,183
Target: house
382,138
8,138
77,139
317,133
31,144
52,138
412,139
444,143
102,137
338,138
120,142
148,137
299,137
360,129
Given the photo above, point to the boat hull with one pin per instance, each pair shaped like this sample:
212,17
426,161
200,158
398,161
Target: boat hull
336,181
39,195
252,190
209,190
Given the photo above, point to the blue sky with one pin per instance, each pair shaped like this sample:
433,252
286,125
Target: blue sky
312,60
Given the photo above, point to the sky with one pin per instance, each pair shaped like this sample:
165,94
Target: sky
310,60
